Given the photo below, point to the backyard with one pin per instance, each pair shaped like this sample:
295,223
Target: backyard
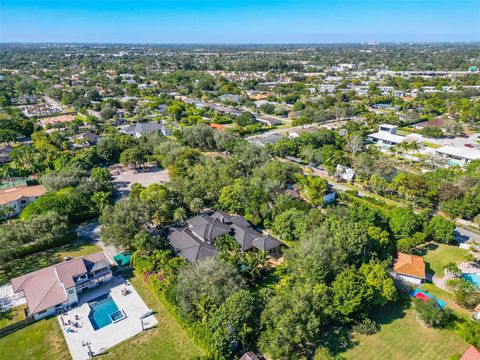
167,341
402,337
439,255
44,340
41,340
45,258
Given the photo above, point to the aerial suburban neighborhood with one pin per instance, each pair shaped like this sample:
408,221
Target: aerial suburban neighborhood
310,200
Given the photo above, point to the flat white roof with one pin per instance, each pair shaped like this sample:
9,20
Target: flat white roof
464,153
386,136
388,126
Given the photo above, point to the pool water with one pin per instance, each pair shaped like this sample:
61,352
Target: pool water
473,278
101,310
441,303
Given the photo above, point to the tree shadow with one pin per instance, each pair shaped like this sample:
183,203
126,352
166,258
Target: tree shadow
391,312
423,250
340,340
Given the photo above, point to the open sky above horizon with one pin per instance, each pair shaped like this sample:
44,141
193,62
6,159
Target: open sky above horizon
234,21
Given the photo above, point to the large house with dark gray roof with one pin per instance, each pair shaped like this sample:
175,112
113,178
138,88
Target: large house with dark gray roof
140,129
196,241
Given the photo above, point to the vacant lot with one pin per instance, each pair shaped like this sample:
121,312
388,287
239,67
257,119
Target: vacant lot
402,337
45,258
441,255
124,178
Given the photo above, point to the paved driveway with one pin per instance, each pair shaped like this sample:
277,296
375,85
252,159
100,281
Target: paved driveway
8,299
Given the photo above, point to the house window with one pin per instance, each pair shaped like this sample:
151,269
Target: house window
42,312
23,201
71,291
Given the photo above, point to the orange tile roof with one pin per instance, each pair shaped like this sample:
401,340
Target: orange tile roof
411,265
472,353
218,126
9,195
57,119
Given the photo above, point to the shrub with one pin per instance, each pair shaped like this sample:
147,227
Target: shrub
366,327
430,312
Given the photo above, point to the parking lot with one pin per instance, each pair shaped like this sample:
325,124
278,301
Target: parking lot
123,178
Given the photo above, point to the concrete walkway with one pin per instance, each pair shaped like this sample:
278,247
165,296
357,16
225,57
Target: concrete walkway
8,299
91,232
86,339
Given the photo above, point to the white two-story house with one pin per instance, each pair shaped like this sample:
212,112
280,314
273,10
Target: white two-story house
56,288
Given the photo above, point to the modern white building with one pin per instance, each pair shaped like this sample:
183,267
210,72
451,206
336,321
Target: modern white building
458,155
386,136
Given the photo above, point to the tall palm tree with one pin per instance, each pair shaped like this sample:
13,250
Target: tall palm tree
196,205
179,215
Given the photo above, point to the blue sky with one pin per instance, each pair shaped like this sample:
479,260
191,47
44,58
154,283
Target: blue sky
233,21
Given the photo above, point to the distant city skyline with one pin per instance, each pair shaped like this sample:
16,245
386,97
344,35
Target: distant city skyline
236,22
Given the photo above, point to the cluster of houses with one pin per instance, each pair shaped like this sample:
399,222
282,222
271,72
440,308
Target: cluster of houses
387,136
41,110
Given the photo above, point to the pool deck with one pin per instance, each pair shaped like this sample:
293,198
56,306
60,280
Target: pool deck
100,340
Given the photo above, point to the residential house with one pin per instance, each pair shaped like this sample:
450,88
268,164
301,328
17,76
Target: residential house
56,120
24,100
41,110
476,312
19,197
270,139
230,98
140,129
56,288
196,241
472,353
250,356
436,123
5,154
84,139
297,132
457,155
409,268
344,173
386,136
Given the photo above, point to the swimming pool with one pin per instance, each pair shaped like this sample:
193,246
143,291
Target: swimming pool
104,311
473,278
417,293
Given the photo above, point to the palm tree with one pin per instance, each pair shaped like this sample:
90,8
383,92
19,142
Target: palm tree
196,205
452,269
179,215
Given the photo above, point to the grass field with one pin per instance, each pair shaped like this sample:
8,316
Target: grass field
45,258
448,298
41,340
440,256
167,341
12,316
402,337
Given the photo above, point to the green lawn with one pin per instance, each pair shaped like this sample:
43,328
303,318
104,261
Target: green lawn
167,341
41,340
441,255
12,316
402,337
448,298
45,258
